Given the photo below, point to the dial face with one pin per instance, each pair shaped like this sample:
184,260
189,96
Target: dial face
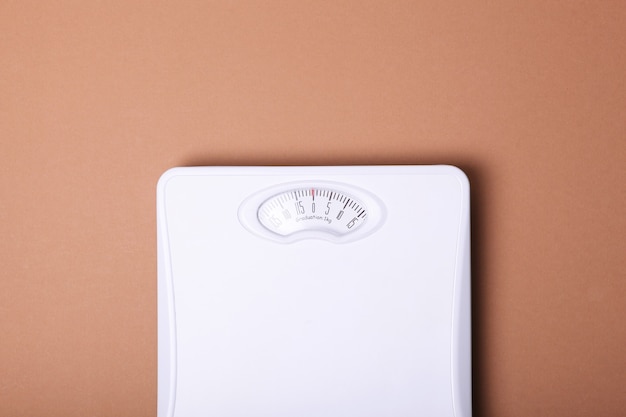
325,210
312,209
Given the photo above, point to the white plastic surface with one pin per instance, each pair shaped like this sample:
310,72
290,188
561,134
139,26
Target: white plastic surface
373,327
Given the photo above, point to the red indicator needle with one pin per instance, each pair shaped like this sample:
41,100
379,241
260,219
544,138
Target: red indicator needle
313,193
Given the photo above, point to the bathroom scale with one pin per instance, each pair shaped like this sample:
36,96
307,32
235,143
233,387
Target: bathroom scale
335,291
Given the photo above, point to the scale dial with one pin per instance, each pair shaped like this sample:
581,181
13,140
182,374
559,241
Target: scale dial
322,210
312,209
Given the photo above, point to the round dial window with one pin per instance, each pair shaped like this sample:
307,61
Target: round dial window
312,210
315,209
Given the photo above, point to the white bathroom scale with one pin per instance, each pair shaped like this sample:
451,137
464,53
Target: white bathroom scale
337,291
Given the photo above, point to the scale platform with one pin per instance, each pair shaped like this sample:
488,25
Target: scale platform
337,291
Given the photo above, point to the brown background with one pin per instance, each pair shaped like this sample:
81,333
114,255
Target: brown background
97,99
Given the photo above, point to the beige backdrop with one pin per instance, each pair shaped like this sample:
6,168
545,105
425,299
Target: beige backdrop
97,99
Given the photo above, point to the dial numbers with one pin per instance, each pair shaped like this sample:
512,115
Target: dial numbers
318,209
312,209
